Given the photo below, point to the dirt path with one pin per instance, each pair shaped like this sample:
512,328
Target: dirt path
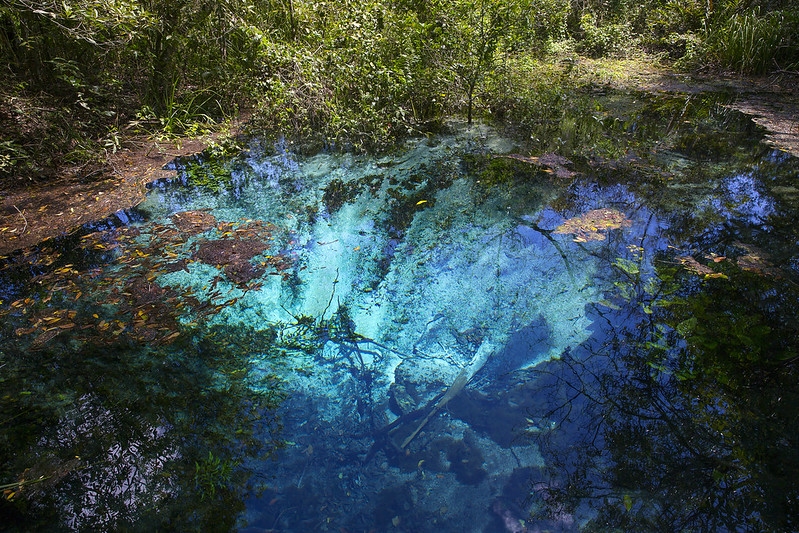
32,215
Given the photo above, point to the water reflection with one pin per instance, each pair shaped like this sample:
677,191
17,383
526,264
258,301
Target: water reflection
452,337
674,417
128,477
125,436
742,199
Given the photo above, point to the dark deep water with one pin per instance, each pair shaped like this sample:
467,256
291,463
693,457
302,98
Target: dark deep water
587,326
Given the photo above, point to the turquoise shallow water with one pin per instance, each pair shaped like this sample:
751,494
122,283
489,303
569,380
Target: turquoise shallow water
455,336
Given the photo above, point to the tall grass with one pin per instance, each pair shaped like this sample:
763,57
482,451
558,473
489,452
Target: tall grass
751,43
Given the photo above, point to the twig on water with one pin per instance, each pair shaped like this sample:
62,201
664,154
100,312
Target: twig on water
23,218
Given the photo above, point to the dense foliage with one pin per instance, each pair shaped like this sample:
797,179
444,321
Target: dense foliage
81,75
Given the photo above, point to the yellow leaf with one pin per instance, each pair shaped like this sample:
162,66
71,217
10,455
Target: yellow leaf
628,502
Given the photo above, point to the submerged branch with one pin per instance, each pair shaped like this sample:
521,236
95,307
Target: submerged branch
478,361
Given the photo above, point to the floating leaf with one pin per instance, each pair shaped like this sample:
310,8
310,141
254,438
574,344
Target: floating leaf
756,261
692,265
628,502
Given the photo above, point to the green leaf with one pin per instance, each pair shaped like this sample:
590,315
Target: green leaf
686,327
627,266
628,502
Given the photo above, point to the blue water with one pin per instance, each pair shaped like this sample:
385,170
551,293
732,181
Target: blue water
449,337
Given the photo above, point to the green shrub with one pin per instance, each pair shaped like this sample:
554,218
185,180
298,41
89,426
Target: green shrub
673,27
544,23
608,40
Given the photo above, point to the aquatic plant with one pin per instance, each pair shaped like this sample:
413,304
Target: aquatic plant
234,256
337,193
211,474
193,222
209,175
212,169
500,172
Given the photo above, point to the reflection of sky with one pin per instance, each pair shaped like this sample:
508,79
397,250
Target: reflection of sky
739,198
129,477
777,156
271,167
591,195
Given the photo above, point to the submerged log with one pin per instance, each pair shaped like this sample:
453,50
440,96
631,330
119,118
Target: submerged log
474,366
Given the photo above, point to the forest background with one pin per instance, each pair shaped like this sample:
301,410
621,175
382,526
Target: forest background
81,78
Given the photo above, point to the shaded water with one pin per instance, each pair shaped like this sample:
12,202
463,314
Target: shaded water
455,336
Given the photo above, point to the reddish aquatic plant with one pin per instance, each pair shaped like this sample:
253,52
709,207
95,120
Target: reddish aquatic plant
194,222
233,255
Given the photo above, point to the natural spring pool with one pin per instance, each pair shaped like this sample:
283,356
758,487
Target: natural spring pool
587,327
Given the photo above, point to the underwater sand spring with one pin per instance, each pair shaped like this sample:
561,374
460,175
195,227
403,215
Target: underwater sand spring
456,336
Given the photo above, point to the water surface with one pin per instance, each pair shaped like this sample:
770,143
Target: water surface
586,326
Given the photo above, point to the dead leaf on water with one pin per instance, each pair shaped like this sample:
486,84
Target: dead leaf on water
591,226
45,337
194,222
692,265
756,261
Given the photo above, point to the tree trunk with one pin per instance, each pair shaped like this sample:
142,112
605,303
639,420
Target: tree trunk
470,101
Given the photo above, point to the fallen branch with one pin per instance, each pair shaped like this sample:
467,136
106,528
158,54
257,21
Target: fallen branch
474,366
23,218
10,490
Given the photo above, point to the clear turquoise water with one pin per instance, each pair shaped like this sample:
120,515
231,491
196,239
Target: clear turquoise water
449,337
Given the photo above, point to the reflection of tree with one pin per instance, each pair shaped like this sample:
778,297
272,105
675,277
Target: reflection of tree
134,436
680,416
